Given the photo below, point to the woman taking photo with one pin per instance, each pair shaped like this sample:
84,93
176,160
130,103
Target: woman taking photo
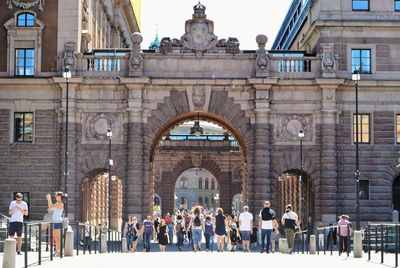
57,210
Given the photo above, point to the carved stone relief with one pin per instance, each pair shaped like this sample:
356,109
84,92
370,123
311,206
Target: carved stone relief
198,96
136,59
26,4
289,125
69,55
95,126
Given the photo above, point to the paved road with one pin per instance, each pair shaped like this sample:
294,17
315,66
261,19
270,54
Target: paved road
206,260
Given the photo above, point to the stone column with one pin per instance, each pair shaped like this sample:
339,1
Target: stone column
326,197
262,179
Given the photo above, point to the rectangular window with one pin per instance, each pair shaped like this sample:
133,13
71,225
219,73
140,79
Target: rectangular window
363,128
24,62
361,60
398,128
397,5
23,127
360,5
363,190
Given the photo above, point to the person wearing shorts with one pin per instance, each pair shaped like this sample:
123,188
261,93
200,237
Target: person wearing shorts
17,210
245,227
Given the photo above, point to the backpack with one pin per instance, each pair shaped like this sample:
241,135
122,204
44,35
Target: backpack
233,235
267,214
197,221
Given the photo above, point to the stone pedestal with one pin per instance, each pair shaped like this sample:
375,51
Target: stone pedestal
313,244
124,247
357,244
283,245
9,253
103,242
69,243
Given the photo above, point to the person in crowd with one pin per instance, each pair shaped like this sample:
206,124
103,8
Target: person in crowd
87,237
291,222
169,220
17,210
209,230
275,235
344,230
188,235
265,224
245,227
234,236
221,225
129,232
196,224
57,208
155,223
162,233
332,237
146,231
179,231
136,231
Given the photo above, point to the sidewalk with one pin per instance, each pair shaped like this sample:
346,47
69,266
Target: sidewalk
205,260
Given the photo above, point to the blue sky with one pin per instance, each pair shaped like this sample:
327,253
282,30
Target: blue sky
232,18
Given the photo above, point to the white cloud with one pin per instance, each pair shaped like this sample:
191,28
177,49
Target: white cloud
232,18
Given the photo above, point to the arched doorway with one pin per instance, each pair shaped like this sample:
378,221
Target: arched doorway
300,194
199,140
96,198
396,194
196,186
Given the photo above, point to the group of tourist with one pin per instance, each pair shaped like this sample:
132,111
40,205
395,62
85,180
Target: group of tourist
228,231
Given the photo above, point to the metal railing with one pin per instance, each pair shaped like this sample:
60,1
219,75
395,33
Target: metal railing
329,239
382,238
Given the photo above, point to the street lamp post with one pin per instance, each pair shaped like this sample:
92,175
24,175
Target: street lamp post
67,76
110,163
301,137
356,77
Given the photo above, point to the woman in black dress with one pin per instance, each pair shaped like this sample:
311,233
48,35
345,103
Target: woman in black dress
221,225
162,235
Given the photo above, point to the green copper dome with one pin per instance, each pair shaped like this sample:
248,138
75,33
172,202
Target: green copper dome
155,43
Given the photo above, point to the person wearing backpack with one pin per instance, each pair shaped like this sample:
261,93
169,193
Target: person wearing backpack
265,223
291,221
208,228
147,232
179,231
196,226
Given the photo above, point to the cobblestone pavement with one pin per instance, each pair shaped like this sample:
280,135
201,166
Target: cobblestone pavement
204,260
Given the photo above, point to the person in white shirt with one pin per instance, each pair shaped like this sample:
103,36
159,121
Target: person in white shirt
246,227
266,224
17,210
291,221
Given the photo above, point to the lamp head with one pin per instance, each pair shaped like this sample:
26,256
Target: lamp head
67,72
356,75
301,134
196,129
109,133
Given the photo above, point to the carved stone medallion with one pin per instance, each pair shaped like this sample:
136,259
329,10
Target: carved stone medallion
289,125
199,96
95,127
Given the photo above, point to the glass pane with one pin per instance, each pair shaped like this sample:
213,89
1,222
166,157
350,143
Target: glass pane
30,62
20,62
360,5
19,71
30,20
398,128
30,53
29,71
397,6
366,69
21,20
355,53
365,53
18,124
20,53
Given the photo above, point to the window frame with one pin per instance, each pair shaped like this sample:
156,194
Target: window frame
15,140
25,67
356,9
360,197
397,127
361,129
25,14
361,69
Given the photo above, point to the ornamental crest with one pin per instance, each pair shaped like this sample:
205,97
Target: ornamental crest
289,125
26,4
199,97
328,61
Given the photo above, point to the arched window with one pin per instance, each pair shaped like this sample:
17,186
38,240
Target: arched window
184,183
25,20
206,184
212,184
200,183
184,203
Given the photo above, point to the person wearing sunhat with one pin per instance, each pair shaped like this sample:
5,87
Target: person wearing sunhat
344,230
18,209
266,224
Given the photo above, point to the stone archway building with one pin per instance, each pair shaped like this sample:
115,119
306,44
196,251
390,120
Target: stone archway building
262,98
